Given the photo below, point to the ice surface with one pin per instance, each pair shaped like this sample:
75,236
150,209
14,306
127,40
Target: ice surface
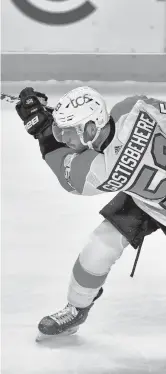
44,229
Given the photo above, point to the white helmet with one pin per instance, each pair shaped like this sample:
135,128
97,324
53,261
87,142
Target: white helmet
76,109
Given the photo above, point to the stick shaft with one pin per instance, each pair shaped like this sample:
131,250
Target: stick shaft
14,99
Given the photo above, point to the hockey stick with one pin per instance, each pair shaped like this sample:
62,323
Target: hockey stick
136,260
14,99
9,98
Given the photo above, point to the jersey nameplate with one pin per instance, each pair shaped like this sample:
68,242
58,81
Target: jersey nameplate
132,153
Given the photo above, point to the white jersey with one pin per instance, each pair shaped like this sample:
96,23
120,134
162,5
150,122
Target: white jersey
140,169
134,162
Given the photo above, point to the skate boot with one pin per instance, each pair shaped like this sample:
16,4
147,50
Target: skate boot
64,322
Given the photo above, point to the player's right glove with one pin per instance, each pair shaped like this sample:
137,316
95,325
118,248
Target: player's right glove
31,109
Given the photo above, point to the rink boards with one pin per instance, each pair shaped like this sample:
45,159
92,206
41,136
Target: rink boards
82,66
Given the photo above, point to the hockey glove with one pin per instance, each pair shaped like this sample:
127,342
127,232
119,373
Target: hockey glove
31,109
37,119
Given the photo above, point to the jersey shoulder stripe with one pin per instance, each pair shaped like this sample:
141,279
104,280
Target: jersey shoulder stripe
55,160
125,106
71,168
81,166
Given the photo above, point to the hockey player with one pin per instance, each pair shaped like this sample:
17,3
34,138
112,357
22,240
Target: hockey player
92,152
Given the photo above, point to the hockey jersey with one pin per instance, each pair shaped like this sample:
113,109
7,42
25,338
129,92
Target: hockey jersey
134,162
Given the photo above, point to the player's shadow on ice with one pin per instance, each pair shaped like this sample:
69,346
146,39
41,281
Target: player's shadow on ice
63,342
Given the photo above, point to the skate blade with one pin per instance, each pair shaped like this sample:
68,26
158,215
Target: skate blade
40,337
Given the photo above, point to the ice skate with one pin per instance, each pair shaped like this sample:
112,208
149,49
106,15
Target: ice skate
65,322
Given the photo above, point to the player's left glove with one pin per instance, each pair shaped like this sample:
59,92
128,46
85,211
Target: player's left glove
32,110
37,119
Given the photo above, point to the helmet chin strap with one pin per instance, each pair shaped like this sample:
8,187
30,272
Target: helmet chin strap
90,142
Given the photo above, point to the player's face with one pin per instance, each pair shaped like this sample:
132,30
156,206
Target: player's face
72,140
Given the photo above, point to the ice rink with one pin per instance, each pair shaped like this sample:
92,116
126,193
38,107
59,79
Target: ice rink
43,231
